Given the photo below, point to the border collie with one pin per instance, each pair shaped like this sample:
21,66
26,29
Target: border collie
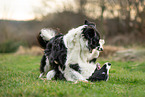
71,56
100,73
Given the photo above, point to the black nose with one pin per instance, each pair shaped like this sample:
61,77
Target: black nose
99,49
109,64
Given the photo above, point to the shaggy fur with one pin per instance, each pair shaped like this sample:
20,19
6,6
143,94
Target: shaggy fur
71,56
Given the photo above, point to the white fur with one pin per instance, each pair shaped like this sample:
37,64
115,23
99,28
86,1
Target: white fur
101,42
46,68
76,53
50,74
95,53
108,68
40,75
72,36
47,34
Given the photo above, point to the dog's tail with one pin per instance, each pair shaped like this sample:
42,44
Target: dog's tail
44,36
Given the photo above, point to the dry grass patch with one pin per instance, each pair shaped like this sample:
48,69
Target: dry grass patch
35,50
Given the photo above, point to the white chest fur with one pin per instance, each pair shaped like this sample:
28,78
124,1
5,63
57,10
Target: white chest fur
87,69
77,53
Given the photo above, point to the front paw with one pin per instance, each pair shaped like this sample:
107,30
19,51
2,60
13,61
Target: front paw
98,66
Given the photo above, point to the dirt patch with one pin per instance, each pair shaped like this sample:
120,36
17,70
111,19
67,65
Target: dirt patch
123,54
35,50
130,55
110,51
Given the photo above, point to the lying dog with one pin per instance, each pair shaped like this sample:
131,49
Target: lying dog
101,73
71,56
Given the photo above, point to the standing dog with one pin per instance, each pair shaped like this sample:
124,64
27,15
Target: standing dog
71,56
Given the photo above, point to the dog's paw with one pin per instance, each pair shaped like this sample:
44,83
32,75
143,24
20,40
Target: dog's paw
41,75
98,66
50,74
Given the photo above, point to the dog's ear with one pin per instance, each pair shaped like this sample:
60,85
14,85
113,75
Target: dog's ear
90,23
86,22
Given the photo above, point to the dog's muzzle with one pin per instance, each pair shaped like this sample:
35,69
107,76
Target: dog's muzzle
99,48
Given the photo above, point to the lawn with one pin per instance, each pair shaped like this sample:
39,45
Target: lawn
19,77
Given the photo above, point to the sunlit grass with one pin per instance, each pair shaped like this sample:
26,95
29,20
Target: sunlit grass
19,77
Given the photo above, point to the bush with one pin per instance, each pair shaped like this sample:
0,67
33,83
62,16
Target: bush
10,46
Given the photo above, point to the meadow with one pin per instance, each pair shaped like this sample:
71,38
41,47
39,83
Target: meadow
19,78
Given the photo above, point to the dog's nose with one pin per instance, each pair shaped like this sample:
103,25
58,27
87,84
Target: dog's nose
101,49
109,64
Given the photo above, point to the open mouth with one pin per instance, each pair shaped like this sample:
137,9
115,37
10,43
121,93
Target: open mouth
98,66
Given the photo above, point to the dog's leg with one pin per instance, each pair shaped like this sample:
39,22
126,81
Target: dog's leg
50,74
72,75
94,55
47,66
78,76
44,66
41,75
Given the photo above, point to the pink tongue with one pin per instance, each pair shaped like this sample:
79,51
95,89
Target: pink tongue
98,66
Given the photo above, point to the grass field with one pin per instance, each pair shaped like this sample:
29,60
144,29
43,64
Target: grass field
19,77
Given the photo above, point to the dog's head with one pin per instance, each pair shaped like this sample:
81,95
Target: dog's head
91,34
101,74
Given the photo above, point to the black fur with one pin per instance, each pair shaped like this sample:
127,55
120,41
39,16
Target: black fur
43,63
56,51
76,67
41,42
98,76
92,35
93,60
90,23
59,76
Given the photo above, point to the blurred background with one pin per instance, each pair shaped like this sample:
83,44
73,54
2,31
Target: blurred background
120,22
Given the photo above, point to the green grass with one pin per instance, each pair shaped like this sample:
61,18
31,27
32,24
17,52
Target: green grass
19,77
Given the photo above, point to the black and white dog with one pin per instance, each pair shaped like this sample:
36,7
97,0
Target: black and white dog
72,56
100,73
